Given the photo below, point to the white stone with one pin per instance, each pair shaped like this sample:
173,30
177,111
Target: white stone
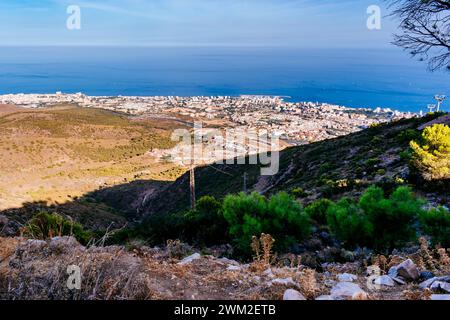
428,283
189,259
269,273
234,268
384,281
440,285
229,261
283,282
345,289
347,277
291,294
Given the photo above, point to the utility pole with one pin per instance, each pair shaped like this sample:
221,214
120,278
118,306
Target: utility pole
192,186
245,182
431,107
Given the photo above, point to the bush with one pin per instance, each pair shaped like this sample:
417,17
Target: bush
436,223
431,157
348,223
298,193
317,210
392,219
44,225
376,221
206,225
408,135
252,215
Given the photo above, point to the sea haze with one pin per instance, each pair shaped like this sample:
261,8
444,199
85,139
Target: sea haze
354,78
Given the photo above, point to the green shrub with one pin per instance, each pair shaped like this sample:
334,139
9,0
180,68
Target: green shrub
376,221
317,210
250,215
348,223
392,219
408,135
156,229
206,225
298,193
44,225
371,162
406,155
436,223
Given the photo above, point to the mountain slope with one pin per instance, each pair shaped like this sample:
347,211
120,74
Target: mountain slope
332,168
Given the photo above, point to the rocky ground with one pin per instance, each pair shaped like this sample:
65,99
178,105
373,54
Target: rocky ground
35,269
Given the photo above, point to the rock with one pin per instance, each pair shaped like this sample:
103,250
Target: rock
399,280
234,268
325,297
291,294
347,277
283,282
345,290
384,281
269,273
229,261
440,297
408,270
189,259
428,283
440,285
393,273
64,241
35,245
425,275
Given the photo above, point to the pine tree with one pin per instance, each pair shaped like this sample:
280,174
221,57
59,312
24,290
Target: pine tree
432,156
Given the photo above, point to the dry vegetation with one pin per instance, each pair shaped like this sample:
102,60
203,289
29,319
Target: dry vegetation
34,269
58,153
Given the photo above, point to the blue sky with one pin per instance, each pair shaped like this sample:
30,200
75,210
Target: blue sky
296,23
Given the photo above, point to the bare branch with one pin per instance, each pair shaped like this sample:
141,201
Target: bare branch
425,30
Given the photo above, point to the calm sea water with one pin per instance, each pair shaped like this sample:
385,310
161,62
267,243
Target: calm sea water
355,78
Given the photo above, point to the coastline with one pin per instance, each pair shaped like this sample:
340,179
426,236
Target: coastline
295,121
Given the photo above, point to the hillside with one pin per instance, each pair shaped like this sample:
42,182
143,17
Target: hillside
317,267
344,166
100,175
60,158
56,154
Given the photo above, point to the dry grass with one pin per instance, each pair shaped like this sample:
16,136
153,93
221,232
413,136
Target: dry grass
33,269
308,283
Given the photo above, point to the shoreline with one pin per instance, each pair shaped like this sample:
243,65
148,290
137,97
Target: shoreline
12,98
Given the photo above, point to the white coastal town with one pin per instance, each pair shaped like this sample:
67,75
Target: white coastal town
296,122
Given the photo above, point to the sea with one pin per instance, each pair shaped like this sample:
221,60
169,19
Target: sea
369,78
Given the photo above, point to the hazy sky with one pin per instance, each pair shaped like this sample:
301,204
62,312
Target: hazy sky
299,23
